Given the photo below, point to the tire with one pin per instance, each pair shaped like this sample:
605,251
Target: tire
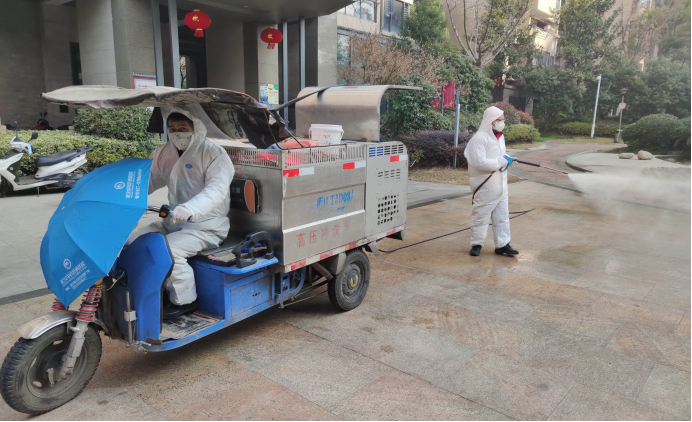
5,187
25,386
347,290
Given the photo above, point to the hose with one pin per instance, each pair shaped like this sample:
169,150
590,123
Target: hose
519,214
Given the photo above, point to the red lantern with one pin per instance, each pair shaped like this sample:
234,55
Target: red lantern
271,36
198,21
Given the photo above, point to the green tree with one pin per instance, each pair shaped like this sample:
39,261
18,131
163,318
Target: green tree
555,93
586,33
426,31
427,24
515,55
675,44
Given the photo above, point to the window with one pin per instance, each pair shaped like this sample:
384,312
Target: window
342,48
393,16
361,9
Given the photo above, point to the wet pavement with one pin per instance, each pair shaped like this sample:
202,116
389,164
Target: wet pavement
590,322
553,155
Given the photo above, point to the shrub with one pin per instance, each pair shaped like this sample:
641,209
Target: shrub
526,119
125,123
105,151
436,147
470,120
574,128
656,133
436,121
682,140
521,134
605,131
584,129
511,113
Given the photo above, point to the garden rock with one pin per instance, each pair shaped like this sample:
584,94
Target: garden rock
626,155
645,155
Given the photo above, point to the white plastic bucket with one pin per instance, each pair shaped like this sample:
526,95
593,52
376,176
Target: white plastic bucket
326,134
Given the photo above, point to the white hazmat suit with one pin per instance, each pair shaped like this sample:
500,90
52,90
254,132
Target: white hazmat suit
200,181
484,154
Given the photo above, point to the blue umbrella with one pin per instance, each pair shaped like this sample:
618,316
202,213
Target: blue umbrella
91,225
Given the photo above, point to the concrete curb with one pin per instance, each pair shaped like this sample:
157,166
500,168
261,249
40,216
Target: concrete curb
577,168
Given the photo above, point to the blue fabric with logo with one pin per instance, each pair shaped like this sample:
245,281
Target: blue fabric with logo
90,226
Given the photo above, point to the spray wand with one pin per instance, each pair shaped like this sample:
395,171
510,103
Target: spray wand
538,165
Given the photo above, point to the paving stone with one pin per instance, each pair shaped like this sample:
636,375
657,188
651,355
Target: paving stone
558,294
637,312
620,286
389,274
511,388
660,347
683,328
670,297
497,304
398,397
575,321
325,374
584,403
555,273
668,390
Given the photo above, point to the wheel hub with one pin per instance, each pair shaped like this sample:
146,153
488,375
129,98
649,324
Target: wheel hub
352,281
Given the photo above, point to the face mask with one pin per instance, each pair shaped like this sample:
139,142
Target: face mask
181,140
499,125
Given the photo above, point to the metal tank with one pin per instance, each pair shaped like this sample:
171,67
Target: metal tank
321,201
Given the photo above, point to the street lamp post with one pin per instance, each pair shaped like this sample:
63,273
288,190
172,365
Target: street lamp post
598,90
618,136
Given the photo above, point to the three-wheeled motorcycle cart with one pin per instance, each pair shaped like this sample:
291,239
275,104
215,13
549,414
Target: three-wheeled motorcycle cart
300,219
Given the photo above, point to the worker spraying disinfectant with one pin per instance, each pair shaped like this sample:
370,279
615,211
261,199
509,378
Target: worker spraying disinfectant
488,162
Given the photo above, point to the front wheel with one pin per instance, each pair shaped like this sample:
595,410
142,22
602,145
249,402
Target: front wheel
31,370
5,187
347,290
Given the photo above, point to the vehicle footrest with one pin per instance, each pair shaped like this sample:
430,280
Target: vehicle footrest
187,324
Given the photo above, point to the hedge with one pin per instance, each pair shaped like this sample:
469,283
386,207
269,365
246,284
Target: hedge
521,134
436,147
657,133
105,150
124,123
584,129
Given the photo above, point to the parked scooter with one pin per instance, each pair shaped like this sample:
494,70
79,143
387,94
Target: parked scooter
42,123
59,170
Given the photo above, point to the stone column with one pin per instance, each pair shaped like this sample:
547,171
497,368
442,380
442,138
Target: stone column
133,39
57,66
21,72
96,43
261,64
115,41
320,51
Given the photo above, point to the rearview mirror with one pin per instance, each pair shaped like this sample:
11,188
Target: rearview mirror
34,135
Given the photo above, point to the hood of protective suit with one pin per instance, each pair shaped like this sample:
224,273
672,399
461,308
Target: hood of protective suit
489,116
199,132
484,153
199,179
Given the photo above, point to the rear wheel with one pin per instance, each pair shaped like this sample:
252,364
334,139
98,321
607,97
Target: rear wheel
31,370
347,290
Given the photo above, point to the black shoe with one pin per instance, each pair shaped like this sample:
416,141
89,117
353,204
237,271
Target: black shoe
475,250
173,311
507,250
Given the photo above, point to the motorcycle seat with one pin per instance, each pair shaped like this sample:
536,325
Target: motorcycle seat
59,157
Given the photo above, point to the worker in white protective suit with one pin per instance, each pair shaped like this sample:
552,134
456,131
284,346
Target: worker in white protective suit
198,174
488,162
